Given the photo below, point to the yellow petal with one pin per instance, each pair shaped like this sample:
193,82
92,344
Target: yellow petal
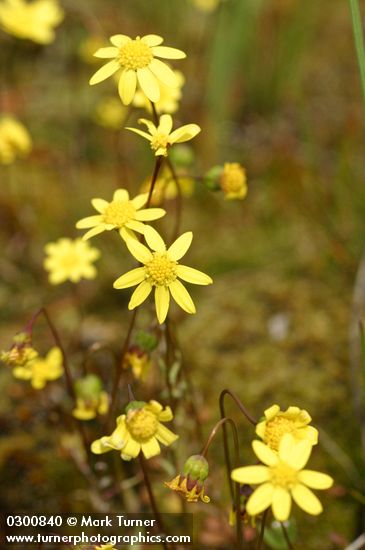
271,412
165,436
260,499
168,53
154,240
150,126
261,429
180,247
94,231
315,480
139,251
90,221
104,73
250,474
264,453
191,275
139,201
105,53
149,84
127,86
121,195
140,133
131,448
135,226
150,214
119,40
293,452
182,297
140,294
281,504
189,131
133,277
306,500
163,73
165,124
162,302
100,446
152,40
151,448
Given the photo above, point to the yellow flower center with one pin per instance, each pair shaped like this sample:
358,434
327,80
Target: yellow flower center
159,141
283,475
135,54
161,270
142,424
276,428
119,213
69,260
232,178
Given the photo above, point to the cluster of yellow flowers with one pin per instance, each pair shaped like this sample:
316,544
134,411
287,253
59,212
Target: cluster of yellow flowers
287,443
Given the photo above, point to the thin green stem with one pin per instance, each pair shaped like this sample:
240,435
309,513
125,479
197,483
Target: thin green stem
286,536
262,530
359,41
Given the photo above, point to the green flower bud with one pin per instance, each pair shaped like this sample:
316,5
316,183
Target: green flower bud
147,341
133,405
89,387
182,155
211,178
196,467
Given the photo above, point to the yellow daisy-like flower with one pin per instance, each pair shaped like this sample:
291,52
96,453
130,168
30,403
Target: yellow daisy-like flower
161,137
15,140
233,181
137,59
278,423
121,213
169,98
282,479
41,370
70,260
33,20
138,430
161,270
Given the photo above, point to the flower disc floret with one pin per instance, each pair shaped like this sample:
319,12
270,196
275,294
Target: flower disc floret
135,54
118,213
142,424
161,271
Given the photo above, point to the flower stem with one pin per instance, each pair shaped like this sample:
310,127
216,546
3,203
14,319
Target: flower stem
286,536
262,530
359,41
175,177
236,493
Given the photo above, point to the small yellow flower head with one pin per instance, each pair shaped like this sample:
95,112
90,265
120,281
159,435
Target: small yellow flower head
165,187
40,370
121,213
91,400
21,352
110,113
138,361
282,479
190,484
15,140
140,429
206,6
169,97
277,423
70,260
137,59
161,137
161,271
33,20
233,181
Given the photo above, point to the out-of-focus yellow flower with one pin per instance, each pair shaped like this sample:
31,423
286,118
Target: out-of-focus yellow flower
70,260
161,270
138,60
282,479
41,370
87,48
165,187
121,213
206,5
140,429
91,400
15,140
138,361
233,181
33,20
21,352
110,113
278,423
190,484
169,97
161,137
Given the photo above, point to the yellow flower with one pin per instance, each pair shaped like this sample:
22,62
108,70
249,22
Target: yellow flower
138,60
277,423
169,98
14,139
41,370
282,479
161,138
33,20
21,352
161,270
121,213
233,181
138,430
70,260
91,400
110,113
165,187
206,5
191,483
137,360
